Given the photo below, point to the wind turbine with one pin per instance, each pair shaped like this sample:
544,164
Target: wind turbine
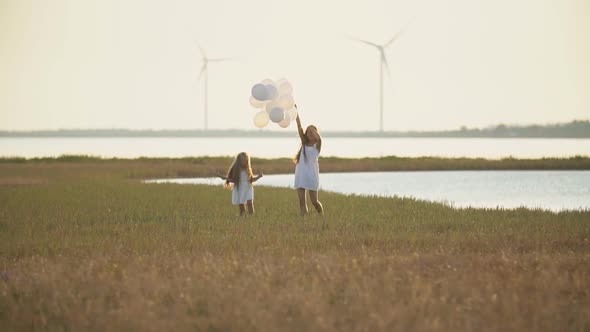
205,74
382,65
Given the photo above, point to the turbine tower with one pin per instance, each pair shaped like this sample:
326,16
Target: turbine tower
205,74
382,65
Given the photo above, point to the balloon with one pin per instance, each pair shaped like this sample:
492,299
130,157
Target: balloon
256,103
272,92
260,92
268,81
270,105
285,88
286,101
292,113
280,81
286,122
261,119
277,114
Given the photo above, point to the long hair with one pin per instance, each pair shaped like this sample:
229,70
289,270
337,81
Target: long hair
234,170
305,142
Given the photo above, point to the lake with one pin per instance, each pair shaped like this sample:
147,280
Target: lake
275,147
550,190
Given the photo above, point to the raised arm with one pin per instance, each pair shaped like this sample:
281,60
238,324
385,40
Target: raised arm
257,177
223,177
299,128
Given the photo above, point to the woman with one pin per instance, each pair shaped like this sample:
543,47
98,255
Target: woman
307,168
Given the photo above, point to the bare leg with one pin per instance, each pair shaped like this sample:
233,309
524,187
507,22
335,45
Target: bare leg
250,205
313,196
242,210
302,202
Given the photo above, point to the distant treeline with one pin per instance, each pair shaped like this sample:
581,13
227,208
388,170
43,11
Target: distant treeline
574,129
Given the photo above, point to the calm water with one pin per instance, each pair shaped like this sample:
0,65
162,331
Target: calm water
551,190
273,147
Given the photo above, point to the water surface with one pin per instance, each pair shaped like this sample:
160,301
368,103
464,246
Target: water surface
277,147
550,190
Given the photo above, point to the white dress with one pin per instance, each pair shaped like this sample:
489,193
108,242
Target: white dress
307,170
244,192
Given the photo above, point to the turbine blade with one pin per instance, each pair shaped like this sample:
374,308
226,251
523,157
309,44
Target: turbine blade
368,43
203,53
399,33
203,69
364,41
394,38
386,65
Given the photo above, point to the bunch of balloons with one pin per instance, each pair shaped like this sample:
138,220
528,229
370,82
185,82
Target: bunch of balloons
275,102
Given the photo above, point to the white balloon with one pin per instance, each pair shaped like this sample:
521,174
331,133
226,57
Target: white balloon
286,101
268,81
271,92
280,81
270,105
257,103
261,119
292,113
285,88
260,92
277,114
286,122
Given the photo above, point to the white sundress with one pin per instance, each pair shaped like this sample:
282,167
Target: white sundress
244,192
307,170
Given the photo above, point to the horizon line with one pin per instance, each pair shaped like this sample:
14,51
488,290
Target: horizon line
264,130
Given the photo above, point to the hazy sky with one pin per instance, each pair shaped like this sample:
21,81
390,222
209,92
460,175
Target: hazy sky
134,64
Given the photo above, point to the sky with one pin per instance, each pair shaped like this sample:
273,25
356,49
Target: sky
134,64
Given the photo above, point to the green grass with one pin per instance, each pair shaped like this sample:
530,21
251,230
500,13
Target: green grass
84,246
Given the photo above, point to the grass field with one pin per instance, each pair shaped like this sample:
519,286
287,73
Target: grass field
86,246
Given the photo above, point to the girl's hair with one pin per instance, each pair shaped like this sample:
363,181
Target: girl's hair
305,142
235,168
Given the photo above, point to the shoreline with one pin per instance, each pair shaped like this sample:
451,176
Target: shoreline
68,168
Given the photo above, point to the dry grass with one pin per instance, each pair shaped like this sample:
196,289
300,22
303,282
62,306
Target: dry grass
90,249
313,291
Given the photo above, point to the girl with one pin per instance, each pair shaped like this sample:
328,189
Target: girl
240,178
307,168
